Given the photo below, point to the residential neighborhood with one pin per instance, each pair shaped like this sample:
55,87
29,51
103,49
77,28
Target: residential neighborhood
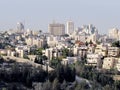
59,45
47,50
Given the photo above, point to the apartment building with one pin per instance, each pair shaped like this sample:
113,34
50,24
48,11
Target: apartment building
56,29
94,60
108,63
39,42
113,51
101,49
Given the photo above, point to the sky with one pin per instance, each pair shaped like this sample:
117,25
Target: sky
37,14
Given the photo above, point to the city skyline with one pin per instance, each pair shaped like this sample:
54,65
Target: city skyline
38,14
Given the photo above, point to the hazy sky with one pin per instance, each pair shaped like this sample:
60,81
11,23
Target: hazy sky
37,14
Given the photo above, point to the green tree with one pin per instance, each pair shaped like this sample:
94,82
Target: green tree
116,44
44,57
39,51
86,43
60,73
66,52
54,62
117,85
52,75
69,73
90,42
39,59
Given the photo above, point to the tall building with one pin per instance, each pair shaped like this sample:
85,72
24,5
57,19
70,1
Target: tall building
20,27
70,27
56,29
89,29
113,33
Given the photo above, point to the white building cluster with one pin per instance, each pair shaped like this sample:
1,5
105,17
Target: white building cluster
81,43
35,41
86,33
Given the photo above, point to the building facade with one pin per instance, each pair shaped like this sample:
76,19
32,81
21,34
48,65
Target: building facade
70,27
56,29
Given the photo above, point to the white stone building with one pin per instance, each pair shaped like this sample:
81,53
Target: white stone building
108,63
94,60
70,27
69,60
113,51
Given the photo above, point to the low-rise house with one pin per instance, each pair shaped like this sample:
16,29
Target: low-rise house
83,51
49,53
79,43
17,37
52,41
11,53
80,51
21,51
3,52
69,60
52,52
75,51
33,40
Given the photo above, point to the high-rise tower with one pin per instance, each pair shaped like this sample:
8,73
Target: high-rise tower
20,27
56,29
70,27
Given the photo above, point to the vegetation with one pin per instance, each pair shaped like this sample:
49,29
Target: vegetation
66,52
36,51
86,43
116,44
98,42
40,59
90,42
54,62
103,79
25,75
65,73
60,77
